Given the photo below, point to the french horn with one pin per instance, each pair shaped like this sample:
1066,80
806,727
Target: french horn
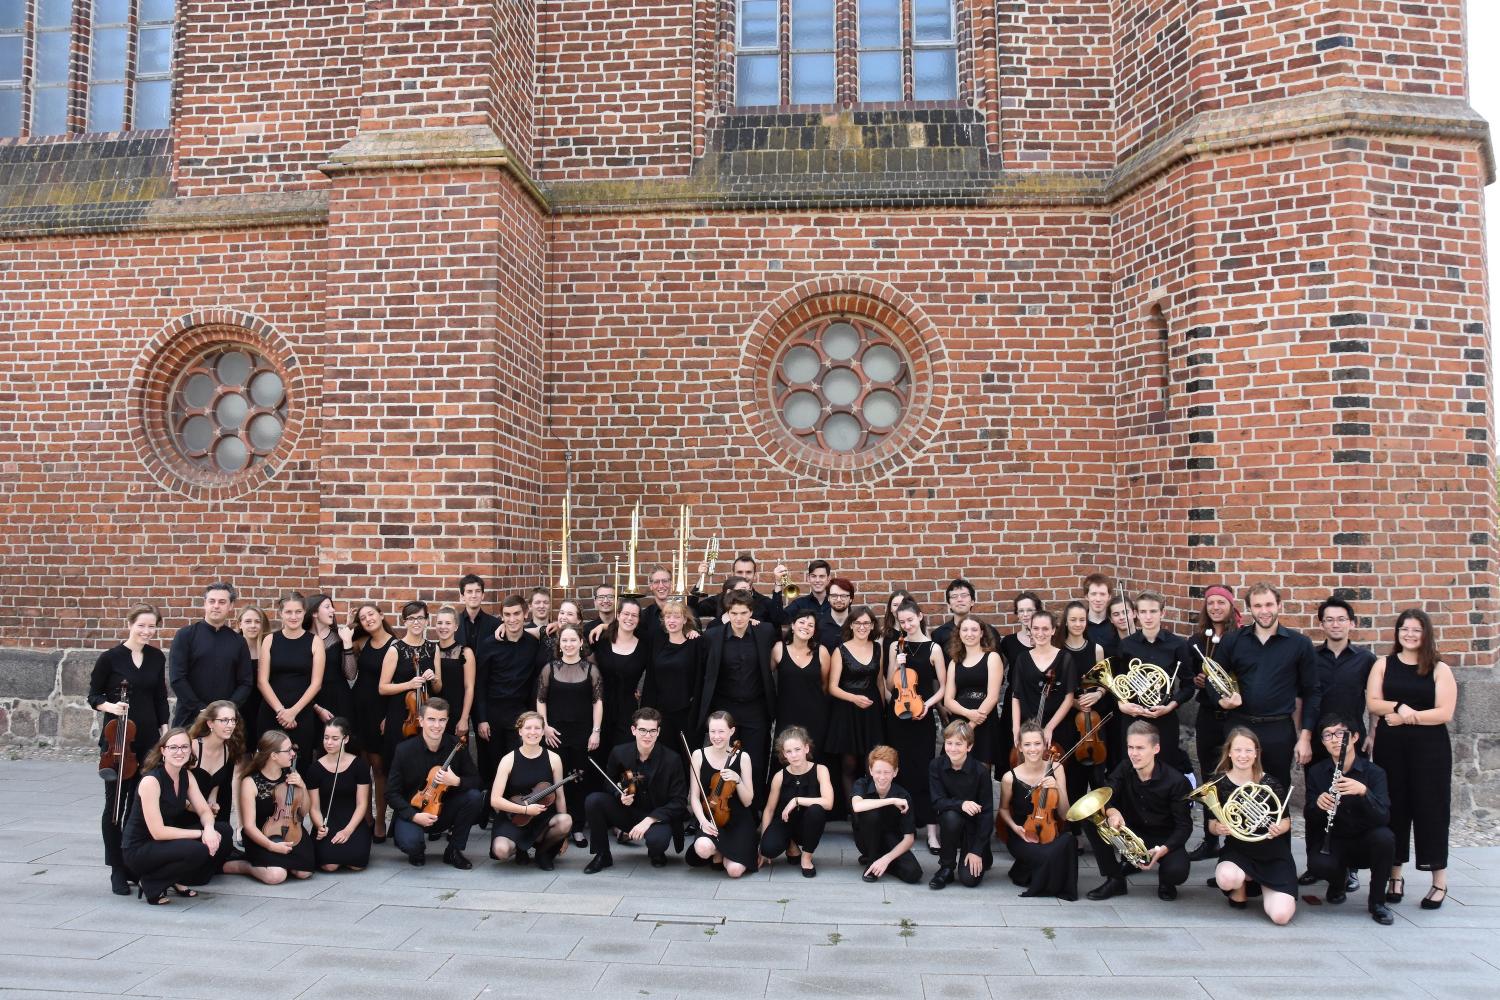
1249,812
1130,847
1143,684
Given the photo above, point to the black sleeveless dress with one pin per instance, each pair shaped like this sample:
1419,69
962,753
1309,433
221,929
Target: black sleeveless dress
268,795
411,661
915,740
369,703
335,696
570,710
621,674
176,810
739,839
851,729
971,682
800,698
338,795
217,786
1042,869
525,774
1029,683
451,670
1268,862
290,676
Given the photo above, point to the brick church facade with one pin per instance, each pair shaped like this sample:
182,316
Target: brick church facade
1188,291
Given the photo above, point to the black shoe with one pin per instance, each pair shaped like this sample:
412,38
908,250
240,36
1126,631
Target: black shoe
1335,895
865,860
1252,890
1209,848
1351,882
942,879
523,858
453,856
598,863
1238,904
622,840
1167,892
1110,887
1212,882
433,835
1306,878
1381,915
870,878
934,851
658,861
119,882
1432,900
484,820
416,860
810,872
546,860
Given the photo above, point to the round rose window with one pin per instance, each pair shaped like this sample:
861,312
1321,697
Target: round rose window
228,410
841,384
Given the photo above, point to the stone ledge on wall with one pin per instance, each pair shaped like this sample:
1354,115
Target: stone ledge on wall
44,698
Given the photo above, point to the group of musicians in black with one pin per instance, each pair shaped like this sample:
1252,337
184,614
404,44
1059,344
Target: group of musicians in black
732,727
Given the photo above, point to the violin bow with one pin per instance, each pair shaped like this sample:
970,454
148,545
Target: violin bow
333,789
124,730
605,775
698,782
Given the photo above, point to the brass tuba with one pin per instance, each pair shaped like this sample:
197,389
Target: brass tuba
1224,683
1143,684
1130,847
1249,812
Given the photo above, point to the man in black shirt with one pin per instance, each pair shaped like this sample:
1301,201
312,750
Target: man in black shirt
1361,835
737,679
1278,677
819,575
885,828
1343,669
835,613
1150,798
473,621
1098,589
506,666
963,799
652,815
1152,643
709,608
961,596
209,661
408,774
604,613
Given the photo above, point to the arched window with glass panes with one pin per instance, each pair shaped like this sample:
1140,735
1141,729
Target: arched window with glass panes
803,52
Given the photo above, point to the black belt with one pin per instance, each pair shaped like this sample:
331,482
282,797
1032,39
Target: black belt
1257,720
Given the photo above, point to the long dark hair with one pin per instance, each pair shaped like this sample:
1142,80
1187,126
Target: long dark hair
1205,623
612,630
955,648
1427,654
203,724
270,742
862,611
888,627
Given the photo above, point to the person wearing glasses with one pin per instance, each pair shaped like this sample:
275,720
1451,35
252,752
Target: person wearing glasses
218,737
1360,835
410,665
171,839
264,780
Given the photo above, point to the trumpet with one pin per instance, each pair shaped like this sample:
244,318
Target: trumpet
1143,684
1224,683
1249,812
789,590
1129,846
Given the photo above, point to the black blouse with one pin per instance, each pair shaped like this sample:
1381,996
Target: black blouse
148,690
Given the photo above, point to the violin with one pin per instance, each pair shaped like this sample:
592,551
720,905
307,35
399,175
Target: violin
907,703
285,824
630,782
415,700
721,790
543,793
429,798
1054,751
117,761
1043,823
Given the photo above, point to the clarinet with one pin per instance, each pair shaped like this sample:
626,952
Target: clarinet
1333,789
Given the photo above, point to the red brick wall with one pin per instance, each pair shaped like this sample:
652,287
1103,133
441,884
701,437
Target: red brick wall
1057,85
1152,78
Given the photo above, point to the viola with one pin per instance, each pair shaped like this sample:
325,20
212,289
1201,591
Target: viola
429,798
907,703
543,793
117,761
721,790
285,824
1090,750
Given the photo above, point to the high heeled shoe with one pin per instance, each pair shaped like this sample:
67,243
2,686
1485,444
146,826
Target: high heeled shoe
158,899
1392,893
1432,901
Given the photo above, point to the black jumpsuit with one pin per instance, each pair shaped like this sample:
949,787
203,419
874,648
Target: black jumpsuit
1418,763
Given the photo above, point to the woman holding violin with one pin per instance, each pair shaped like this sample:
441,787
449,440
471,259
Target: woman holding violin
1042,684
171,839
129,686
521,826
975,678
963,797
721,797
340,785
1085,743
408,677
914,677
797,803
290,676
1034,807
274,803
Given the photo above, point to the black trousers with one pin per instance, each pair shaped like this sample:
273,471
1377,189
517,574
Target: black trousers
805,829
874,842
1172,869
1208,736
113,855
1374,849
1418,762
160,863
460,811
960,834
1278,744
752,727
604,810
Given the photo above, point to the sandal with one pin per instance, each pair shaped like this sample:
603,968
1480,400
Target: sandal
1392,893
1432,900
159,899
180,891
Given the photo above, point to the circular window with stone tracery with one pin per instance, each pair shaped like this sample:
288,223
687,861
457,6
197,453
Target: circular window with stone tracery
228,410
841,384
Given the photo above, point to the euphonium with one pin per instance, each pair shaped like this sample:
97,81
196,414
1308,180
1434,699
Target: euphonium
1224,683
1130,847
1143,684
1249,812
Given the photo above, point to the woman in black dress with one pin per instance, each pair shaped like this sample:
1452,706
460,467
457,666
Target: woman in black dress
1266,863
373,640
264,780
1042,683
675,675
972,693
1412,693
218,736
410,666
622,657
733,845
1080,654
801,667
1042,869
136,669
455,670
570,700
889,629
915,739
253,628
335,698
339,782
857,697
542,825
290,675
1218,624
797,803
171,839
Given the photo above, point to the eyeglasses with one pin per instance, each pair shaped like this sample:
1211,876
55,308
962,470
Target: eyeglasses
290,750
230,719
174,748
415,618
646,732
1332,737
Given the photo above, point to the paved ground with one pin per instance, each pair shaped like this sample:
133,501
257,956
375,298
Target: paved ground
395,931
